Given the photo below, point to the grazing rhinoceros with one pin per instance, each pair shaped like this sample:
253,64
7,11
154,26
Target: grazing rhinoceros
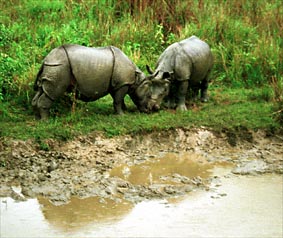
92,73
189,63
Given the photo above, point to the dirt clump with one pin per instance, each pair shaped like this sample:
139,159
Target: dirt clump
128,167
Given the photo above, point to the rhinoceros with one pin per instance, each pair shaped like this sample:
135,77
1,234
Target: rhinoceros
92,73
189,63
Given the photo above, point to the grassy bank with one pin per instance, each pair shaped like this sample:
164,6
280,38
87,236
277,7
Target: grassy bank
228,109
245,37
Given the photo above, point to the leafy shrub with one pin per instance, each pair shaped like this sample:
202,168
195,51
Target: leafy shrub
44,9
277,84
8,67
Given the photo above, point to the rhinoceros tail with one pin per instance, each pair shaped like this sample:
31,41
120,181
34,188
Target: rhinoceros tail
35,85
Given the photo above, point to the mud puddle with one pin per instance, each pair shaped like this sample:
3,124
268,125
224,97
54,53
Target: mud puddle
171,169
235,206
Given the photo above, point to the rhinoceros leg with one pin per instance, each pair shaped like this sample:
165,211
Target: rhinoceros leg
195,94
181,95
203,90
34,103
41,104
118,99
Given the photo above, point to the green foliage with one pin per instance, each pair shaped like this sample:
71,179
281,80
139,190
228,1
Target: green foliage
245,37
42,145
262,94
41,10
5,36
277,84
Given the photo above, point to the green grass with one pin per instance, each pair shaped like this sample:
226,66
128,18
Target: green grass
227,108
245,37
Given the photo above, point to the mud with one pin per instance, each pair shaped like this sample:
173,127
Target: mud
133,168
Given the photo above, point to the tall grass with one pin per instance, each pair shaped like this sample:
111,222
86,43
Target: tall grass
245,36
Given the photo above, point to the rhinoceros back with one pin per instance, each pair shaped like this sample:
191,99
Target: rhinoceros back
189,59
92,69
99,70
124,70
199,54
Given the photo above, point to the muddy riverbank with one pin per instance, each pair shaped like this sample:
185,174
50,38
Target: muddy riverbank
133,168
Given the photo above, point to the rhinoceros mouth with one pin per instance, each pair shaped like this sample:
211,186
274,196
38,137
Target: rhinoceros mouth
143,109
153,105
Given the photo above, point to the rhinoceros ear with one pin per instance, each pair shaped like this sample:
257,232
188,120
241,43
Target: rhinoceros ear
167,75
161,75
160,81
137,73
149,70
143,89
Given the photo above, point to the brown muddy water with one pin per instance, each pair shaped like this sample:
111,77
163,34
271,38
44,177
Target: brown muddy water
169,168
231,206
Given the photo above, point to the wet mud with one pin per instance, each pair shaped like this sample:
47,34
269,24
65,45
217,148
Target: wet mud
133,168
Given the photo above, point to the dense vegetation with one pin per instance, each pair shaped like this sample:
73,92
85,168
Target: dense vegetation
245,36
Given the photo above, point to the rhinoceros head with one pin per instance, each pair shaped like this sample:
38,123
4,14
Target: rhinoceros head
149,92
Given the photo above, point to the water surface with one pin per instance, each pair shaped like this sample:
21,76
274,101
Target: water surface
241,207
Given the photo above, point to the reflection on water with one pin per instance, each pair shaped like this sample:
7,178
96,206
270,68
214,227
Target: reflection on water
252,207
80,212
152,171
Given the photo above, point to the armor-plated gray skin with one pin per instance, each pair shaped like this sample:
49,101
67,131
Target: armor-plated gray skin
93,73
189,63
